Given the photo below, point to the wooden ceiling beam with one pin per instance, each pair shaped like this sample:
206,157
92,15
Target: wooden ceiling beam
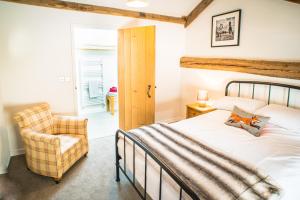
197,11
58,4
294,1
282,69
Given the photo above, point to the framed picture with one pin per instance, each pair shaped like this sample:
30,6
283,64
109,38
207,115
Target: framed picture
225,29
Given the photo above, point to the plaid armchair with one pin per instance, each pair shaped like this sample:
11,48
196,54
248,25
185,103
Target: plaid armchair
52,144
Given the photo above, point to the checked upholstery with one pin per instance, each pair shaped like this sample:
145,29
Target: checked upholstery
52,143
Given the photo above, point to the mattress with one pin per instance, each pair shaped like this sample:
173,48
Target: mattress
276,152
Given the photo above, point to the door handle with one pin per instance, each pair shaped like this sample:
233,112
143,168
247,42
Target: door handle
148,91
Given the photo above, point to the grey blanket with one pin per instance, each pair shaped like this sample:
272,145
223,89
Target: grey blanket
211,174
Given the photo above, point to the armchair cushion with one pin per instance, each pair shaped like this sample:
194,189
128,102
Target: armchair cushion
67,141
72,148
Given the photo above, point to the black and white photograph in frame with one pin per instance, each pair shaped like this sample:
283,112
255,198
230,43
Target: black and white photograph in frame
225,30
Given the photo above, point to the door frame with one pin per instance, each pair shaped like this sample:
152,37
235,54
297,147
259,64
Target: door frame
74,64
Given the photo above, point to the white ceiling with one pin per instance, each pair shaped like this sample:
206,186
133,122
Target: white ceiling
176,8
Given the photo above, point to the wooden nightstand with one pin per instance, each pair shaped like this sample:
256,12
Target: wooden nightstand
193,110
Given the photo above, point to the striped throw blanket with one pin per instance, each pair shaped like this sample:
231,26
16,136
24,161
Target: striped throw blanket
211,174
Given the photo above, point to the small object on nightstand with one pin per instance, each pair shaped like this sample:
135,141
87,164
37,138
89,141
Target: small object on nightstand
195,109
202,97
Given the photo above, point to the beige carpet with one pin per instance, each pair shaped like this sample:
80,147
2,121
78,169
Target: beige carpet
90,178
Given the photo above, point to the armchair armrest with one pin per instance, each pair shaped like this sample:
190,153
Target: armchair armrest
43,154
31,135
70,125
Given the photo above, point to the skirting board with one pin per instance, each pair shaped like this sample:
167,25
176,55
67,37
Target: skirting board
281,69
17,152
4,165
3,171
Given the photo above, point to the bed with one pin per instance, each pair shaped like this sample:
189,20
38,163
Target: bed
276,151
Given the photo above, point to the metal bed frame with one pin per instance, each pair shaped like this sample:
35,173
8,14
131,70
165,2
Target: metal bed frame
270,84
163,167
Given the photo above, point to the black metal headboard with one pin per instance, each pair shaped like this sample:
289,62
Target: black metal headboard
270,84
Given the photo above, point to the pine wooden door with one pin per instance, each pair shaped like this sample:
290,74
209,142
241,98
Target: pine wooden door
136,73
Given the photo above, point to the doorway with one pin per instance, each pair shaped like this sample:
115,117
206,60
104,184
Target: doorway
115,78
95,52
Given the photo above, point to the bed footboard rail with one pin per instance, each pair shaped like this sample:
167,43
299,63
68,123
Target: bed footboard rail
163,167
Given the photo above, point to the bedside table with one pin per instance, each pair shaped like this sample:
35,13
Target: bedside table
193,110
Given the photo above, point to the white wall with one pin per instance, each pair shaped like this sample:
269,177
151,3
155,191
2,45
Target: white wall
4,150
93,36
36,49
270,30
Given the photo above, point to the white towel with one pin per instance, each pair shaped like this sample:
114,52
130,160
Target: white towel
94,90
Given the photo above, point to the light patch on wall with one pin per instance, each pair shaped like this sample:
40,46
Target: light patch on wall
218,80
18,44
94,37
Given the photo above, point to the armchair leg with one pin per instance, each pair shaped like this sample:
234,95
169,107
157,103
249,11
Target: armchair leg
57,180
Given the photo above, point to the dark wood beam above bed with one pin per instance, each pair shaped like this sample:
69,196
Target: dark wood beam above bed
280,69
294,1
99,10
197,11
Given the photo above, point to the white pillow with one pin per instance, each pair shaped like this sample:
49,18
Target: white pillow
228,103
285,117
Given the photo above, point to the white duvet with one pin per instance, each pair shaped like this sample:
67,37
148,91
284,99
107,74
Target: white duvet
276,152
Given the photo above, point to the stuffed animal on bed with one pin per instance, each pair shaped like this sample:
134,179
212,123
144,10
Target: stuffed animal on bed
248,121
